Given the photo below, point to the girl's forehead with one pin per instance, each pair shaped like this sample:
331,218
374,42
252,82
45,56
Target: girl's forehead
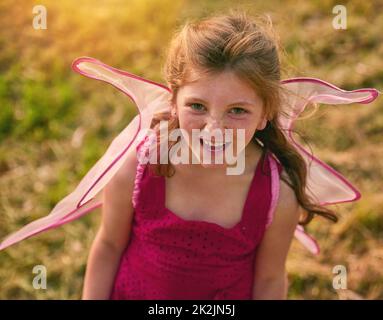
198,76
224,83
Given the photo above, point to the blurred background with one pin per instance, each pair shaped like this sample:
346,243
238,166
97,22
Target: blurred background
55,124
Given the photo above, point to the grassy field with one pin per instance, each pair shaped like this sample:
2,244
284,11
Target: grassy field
55,124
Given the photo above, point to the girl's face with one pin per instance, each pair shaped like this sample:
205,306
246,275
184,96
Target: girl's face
217,102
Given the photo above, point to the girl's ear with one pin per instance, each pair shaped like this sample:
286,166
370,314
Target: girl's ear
173,109
262,124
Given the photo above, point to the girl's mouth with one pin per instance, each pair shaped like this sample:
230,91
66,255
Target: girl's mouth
213,147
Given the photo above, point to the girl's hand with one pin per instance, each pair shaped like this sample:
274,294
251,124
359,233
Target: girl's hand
270,278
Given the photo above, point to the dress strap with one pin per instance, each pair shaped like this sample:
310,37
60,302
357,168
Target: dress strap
145,179
302,236
258,204
275,171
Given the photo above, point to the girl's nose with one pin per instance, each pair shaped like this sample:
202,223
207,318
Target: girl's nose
215,127
214,123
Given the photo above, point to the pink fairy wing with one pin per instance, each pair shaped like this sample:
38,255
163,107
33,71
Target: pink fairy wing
306,240
148,97
324,183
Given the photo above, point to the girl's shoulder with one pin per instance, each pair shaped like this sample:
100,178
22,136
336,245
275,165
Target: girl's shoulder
124,178
287,203
287,194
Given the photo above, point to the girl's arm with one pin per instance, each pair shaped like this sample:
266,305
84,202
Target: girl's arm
113,234
270,277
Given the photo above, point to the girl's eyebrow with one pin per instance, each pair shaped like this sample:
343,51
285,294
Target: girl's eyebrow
242,102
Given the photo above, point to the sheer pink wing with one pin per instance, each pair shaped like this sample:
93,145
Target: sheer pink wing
324,183
148,97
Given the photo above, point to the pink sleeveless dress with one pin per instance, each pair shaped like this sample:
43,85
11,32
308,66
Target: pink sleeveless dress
171,258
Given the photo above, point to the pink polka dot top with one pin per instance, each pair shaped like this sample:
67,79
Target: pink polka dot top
170,258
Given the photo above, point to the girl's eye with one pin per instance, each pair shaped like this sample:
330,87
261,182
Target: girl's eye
199,107
196,106
238,110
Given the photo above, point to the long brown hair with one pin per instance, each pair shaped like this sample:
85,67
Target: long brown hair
250,48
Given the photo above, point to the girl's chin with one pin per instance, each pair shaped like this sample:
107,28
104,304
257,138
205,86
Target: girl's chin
217,159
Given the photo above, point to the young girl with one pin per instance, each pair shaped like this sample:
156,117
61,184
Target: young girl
191,231
194,232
